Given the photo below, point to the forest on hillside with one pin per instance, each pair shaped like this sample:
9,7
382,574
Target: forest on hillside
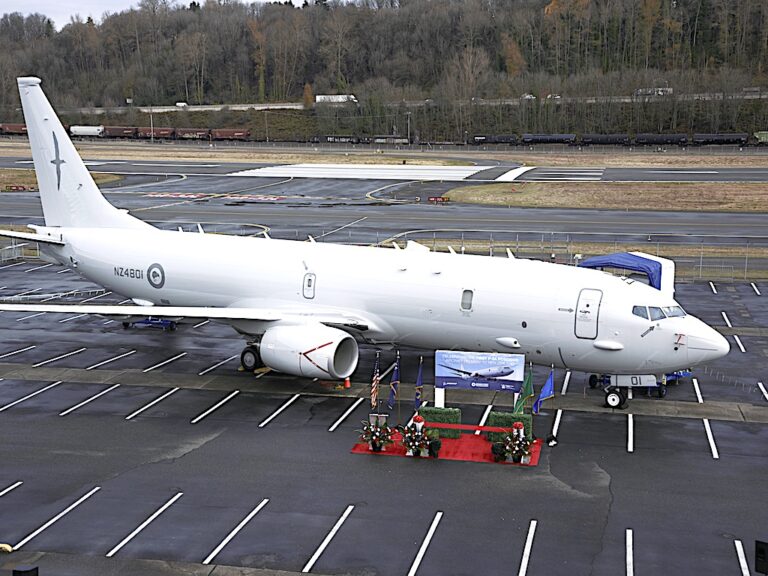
447,54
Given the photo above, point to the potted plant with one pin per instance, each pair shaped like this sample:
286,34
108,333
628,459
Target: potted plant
376,436
433,437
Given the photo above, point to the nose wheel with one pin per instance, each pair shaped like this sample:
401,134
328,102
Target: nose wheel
250,359
615,398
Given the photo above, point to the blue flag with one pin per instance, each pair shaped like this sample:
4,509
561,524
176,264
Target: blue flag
548,391
394,383
419,386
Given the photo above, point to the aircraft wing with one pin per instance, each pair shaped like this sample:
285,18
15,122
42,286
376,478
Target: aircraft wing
457,370
198,312
28,236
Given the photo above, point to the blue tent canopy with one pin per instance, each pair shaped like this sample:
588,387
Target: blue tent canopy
628,261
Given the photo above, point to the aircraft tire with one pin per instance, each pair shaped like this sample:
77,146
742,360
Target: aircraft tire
593,380
661,391
614,398
126,325
250,359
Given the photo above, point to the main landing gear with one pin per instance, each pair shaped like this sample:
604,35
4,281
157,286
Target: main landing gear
250,359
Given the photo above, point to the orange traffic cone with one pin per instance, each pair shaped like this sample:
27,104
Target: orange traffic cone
347,383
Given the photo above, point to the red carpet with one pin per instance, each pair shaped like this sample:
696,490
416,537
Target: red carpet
467,448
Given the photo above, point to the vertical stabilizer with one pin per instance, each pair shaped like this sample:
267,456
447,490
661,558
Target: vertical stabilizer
69,195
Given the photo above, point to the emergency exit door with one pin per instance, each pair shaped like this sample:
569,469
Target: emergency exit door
588,313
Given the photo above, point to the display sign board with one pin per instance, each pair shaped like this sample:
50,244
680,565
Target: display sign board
479,370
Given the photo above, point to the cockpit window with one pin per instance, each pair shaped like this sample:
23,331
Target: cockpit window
674,311
656,313
641,311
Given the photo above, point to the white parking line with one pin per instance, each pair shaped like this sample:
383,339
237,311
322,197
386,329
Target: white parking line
26,293
484,418
527,550
11,487
762,389
63,271
630,553
742,557
164,362
152,403
727,321
19,351
39,267
276,412
88,400
199,324
56,518
75,317
738,341
347,412
234,532
327,540
425,544
144,524
30,316
565,383
216,406
630,433
712,286
11,265
204,372
95,297
711,438
28,396
44,362
107,361
556,425
696,389
754,287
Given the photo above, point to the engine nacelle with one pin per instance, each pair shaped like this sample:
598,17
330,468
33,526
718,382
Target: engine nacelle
314,350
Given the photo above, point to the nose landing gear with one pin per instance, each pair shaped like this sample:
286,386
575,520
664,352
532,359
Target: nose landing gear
250,359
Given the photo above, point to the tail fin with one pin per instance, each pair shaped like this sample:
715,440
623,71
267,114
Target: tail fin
69,195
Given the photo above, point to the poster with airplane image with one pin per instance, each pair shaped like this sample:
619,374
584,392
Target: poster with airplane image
479,370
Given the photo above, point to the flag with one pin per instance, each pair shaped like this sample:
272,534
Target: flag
375,383
394,382
547,391
525,393
419,386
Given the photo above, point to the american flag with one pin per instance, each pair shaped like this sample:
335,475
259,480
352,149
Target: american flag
375,383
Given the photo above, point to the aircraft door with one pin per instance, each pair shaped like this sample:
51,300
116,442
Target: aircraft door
308,289
588,313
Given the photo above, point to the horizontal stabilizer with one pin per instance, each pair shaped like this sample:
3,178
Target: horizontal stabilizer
42,238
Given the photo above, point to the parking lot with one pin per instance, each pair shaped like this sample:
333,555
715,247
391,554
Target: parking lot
142,444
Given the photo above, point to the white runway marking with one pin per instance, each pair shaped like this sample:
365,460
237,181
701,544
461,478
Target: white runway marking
696,389
276,412
88,400
425,544
39,267
683,172
56,518
365,172
308,566
738,342
164,362
174,165
75,317
535,178
566,381
107,361
713,288
204,372
556,425
234,532
347,412
711,438
630,433
28,396
630,553
484,418
754,287
727,320
514,174
762,389
68,354
527,550
199,324
347,225
144,524
152,403
17,351
742,558
11,487
215,407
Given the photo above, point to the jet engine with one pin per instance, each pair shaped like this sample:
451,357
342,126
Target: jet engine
314,350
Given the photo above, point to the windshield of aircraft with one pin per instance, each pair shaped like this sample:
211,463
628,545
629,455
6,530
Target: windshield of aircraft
658,313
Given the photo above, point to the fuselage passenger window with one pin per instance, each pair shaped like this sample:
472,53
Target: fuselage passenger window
466,300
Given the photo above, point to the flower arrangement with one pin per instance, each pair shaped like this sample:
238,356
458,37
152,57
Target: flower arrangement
415,440
515,446
376,436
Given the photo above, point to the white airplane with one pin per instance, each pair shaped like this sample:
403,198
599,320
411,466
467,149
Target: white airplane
304,306
487,373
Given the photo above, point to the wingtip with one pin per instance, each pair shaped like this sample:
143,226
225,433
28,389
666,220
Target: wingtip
28,81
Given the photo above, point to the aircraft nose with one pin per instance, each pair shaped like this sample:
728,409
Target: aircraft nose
706,344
